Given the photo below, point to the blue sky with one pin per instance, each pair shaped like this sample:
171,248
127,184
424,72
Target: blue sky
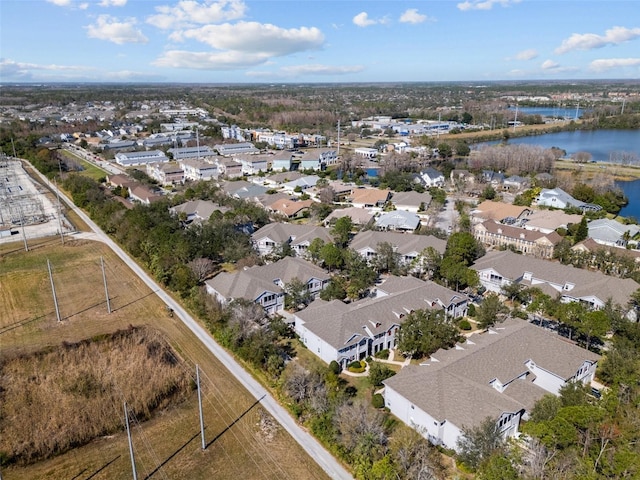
300,41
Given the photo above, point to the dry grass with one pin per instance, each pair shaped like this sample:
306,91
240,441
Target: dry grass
63,397
242,443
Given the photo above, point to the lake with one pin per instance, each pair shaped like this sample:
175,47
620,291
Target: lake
632,192
603,145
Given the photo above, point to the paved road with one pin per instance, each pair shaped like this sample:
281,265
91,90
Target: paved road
328,463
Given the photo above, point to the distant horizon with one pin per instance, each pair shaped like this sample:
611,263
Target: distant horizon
474,83
317,41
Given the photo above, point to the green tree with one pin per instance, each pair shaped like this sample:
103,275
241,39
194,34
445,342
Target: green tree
341,231
378,372
387,259
491,310
335,290
582,232
479,443
331,256
425,331
297,294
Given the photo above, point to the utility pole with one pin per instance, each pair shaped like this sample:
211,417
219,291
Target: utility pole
204,444
14,148
133,460
106,291
515,120
59,211
623,102
338,137
53,290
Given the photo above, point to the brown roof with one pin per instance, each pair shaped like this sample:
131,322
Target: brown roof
519,233
290,207
369,196
489,210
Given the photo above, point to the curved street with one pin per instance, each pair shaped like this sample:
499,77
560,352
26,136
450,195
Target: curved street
328,463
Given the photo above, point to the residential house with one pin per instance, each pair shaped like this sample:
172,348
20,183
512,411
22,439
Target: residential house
335,331
120,180
529,242
369,197
413,202
358,216
454,303
407,246
318,159
547,221
461,176
498,374
266,285
496,179
197,152
613,233
589,245
130,159
498,212
291,207
593,289
278,179
198,211
229,168
363,152
430,177
141,194
196,170
282,161
299,237
558,198
398,220
231,149
516,182
166,173
303,183
252,165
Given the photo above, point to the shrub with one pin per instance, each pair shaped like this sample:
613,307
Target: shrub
471,310
520,314
357,366
464,325
334,367
383,354
377,401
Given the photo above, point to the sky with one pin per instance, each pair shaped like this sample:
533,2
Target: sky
326,41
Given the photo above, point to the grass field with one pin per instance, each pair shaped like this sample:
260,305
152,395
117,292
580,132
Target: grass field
90,170
244,441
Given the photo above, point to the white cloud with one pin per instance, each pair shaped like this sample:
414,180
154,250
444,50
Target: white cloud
210,60
589,41
11,70
110,29
113,3
484,4
362,20
255,38
529,54
604,64
188,13
83,6
60,3
549,64
411,15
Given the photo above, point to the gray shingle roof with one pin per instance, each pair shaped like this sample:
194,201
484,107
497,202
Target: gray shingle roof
455,384
283,232
513,266
405,242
